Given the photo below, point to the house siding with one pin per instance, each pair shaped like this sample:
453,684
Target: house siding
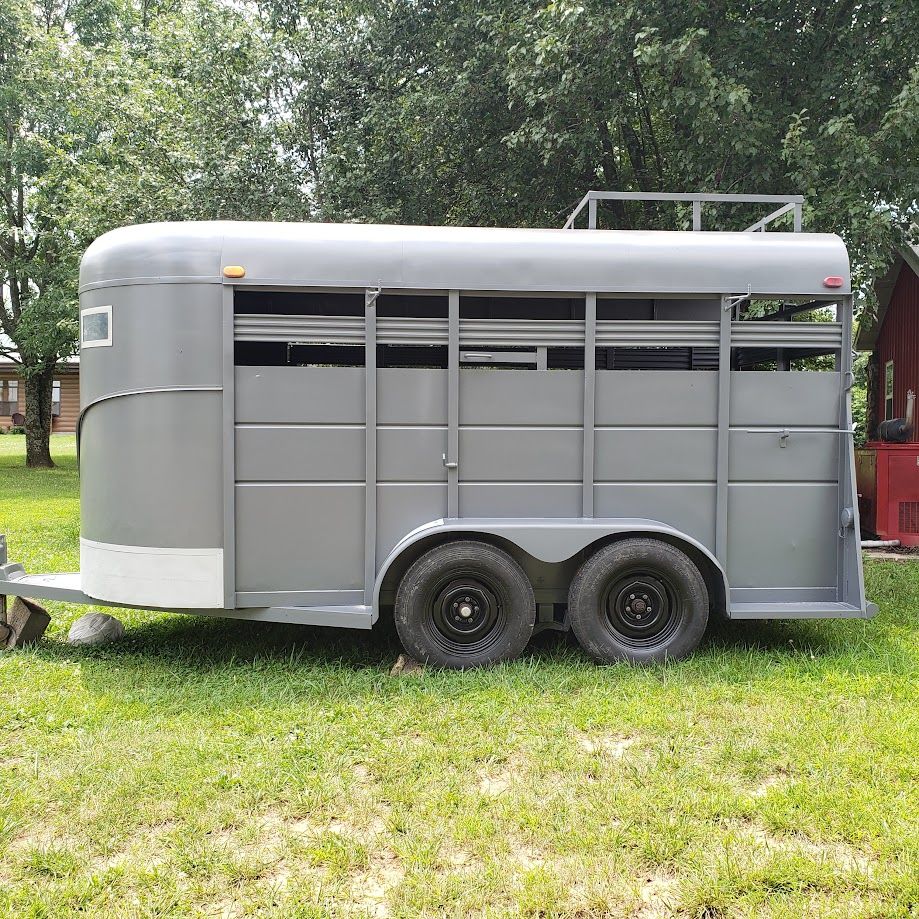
6,375
898,341
66,421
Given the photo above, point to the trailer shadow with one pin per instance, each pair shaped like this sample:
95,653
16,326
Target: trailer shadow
199,644
184,665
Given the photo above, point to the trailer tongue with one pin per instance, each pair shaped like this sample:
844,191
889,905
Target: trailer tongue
24,621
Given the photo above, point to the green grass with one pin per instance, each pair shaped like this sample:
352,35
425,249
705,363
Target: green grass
214,768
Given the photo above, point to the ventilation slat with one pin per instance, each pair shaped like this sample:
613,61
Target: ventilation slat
909,517
508,333
787,334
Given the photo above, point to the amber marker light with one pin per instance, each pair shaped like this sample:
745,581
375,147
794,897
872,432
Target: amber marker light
234,271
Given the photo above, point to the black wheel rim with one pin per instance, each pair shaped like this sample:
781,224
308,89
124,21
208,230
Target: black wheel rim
641,607
465,615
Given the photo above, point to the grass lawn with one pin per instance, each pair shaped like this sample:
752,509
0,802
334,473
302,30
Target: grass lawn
215,768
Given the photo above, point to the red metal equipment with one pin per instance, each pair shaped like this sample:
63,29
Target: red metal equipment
888,490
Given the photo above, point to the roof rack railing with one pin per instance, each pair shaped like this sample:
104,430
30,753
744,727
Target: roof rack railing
697,199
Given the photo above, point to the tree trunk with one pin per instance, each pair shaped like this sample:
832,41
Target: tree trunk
39,388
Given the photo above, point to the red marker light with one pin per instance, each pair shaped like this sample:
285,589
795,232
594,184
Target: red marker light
832,281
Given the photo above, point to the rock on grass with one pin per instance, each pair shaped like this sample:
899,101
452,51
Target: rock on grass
95,629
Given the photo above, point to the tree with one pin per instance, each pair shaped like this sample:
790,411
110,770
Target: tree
506,111
37,253
114,114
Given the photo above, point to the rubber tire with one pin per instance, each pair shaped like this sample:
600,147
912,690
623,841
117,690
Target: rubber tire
585,597
512,589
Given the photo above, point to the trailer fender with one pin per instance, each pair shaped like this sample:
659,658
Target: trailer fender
549,540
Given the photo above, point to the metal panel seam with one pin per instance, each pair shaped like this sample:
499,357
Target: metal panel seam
724,417
590,381
451,460
229,451
370,441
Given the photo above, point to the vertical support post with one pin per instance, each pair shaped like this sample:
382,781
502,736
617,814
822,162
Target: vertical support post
798,217
724,434
697,215
850,579
592,214
229,448
451,460
590,381
370,443
542,358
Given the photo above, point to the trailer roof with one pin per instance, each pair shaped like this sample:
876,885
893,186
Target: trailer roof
471,258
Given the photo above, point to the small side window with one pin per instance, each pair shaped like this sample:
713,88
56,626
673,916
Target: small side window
96,327
888,391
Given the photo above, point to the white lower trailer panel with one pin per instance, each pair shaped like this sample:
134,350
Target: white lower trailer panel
151,576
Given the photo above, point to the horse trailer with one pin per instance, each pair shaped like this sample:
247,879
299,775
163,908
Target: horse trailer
482,432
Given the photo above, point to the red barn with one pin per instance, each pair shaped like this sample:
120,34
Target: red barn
888,470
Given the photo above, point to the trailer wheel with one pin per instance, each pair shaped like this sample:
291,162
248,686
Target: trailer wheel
465,604
639,600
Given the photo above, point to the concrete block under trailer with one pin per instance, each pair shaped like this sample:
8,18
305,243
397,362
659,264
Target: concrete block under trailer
230,372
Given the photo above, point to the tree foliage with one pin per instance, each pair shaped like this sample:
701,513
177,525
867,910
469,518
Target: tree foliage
116,113
438,111
506,112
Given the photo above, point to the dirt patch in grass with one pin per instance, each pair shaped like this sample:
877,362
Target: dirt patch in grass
38,838
658,896
611,746
774,780
499,779
528,856
458,859
362,774
147,847
371,888
838,854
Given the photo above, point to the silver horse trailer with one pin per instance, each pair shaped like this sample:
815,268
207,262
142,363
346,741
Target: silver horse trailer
487,431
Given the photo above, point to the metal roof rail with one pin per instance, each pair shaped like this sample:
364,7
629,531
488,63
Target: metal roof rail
697,199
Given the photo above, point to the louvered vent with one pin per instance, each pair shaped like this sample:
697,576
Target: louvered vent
909,517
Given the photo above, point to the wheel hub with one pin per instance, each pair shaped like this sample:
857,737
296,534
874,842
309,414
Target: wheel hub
465,611
638,607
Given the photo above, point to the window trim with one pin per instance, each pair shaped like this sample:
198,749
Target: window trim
100,342
888,385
